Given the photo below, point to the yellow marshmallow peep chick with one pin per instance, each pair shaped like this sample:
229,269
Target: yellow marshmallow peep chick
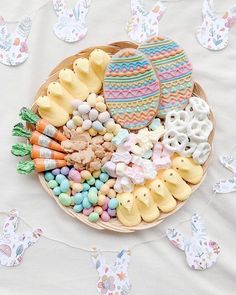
146,206
73,85
99,60
188,170
86,74
60,96
161,195
51,111
127,211
176,185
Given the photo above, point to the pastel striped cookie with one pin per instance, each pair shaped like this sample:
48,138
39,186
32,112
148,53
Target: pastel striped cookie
131,89
174,71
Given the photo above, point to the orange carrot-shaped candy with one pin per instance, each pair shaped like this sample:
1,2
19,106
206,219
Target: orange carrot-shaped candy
41,125
42,140
39,165
35,151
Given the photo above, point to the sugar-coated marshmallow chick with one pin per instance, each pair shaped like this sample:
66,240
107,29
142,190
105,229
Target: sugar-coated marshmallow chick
176,185
51,111
73,85
99,60
86,74
127,210
146,206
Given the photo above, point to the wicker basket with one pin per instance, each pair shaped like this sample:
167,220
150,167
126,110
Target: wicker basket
113,224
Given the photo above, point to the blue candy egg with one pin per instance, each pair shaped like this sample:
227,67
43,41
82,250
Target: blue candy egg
48,176
78,198
94,189
98,184
56,191
104,177
56,171
65,185
78,208
84,194
113,203
60,178
86,186
91,181
86,204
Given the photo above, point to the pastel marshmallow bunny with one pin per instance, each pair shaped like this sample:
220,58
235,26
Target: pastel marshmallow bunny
12,245
201,252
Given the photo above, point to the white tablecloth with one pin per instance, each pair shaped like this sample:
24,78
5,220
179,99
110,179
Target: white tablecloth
156,268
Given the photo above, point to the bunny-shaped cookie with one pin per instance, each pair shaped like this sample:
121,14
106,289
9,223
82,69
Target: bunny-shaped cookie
70,25
213,33
227,186
113,279
12,245
142,25
201,252
13,47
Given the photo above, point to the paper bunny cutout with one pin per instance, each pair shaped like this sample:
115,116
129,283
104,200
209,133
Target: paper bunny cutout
142,25
201,252
70,25
213,33
12,245
13,47
227,186
113,279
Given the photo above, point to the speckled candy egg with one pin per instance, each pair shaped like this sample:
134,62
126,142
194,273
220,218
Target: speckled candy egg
131,89
174,71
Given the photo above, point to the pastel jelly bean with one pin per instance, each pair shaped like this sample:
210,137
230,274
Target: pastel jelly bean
92,197
64,186
105,216
91,181
60,178
74,175
86,203
57,191
48,176
104,177
52,184
65,170
78,198
87,211
56,171
65,199
98,184
93,217
111,212
86,186
78,208
113,203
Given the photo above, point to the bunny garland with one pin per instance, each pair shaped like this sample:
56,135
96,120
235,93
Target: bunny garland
12,245
13,47
70,25
142,25
201,252
213,33
113,279
227,186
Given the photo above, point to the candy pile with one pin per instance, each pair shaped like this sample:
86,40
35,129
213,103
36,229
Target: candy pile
92,195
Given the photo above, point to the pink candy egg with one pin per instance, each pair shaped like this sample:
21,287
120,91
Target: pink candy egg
88,211
74,175
105,206
105,216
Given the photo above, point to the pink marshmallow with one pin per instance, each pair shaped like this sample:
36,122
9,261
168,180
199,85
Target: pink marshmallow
161,156
110,168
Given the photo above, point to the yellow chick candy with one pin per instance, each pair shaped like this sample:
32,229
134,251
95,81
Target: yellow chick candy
86,74
188,170
73,85
99,60
60,96
146,206
176,185
127,211
51,111
161,196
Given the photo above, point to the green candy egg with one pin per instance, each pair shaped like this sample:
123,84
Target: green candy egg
65,199
78,208
93,217
92,197
48,176
52,184
91,181
56,191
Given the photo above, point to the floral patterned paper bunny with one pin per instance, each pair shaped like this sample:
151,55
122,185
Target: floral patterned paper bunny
142,25
113,279
213,33
12,245
70,25
13,47
227,186
201,252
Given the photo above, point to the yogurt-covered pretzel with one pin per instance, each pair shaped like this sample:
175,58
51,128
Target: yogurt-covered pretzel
199,131
177,120
189,149
202,153
199,105
175,141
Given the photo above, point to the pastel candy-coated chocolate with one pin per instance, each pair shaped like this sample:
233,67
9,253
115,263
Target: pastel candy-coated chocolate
52,183
93,217
74,175
93,189
174,71
84,108
91,181
78,198
60,178
93,115
111,212
103,117
104,177
64,186
48,176
87,211
56,171
120,138
65,170
92,197
85,194
78,208
86,204
97,126
65,199
56,191
105,216
86,186
131,89
113,203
